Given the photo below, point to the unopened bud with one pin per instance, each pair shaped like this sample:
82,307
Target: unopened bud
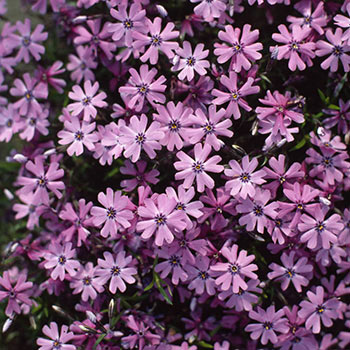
91,316
320,131
111,308
87,329
50,152
7,324
8,194
281,143
32,322
20,158
162,11
79,19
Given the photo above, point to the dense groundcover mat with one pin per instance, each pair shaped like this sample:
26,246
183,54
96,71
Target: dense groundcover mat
175,175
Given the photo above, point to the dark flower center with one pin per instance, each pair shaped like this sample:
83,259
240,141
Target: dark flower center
208,128
111,213
237,47
203,275
87,281
282,179
233,269
79,135
62,259
258,210
290,273
28,95
174,260
86,101
140,138
191,61
320,227
267,325
337,50
128,24
307,20
244,177
300,206
198,167
26,41
56,344
42,181
12,293
9,123
294,46
235,95
160,219
143,89
327,162
174,126
115,270
180,206
320,309
156,40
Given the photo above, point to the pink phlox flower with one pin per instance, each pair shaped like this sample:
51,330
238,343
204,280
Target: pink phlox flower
242,50
29,91
35,123
315,20
10,123
339,117
141,86
269,322
97,38
183,202
324,139
60,258
189,62
233,273
337,48
344,236
281,175
115,215
326,257
175,122
199,326
82,65
159,217
140,176
101,152
157,39
17,295
243,179
86,282
41,5
257,211
279,229
174,265
77,134
344,22
57,339
118,269
184,346
209,125
7,44
317,229
297,272
243,299
235,94
79,221
28,43
45,180
219,205
122,32
189,23
47,76
209,9
317,310
87,100
197,168
135,137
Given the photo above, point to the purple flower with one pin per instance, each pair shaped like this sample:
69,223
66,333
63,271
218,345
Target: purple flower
344,22
208,125
318,231
28,43
86,282
135,138
258,211
296,47
87,100
141,86
35,123
57,340
242,50
291,271
317,310
337,48
190,62
10,123
160,217
47,76
157,39
109,146
77,134
269,322
244,179
339,117
234,272
235,94
61,258
115,215
191,169
209,9
117,270
17,294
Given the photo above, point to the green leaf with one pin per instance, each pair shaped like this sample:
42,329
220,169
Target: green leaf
99,339
301,143
10,167
147,288
332,106
340,85
206,345
322,96
161,289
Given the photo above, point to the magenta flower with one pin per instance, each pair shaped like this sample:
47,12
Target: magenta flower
235,94
43,181
339,117
191,169
117,270
110,146
61,258
242,51
317,310
115,215
208,125
317,231
258,212
157,39
209,9
190,62
269,322
344,22
175,122
10,123
159,217
35,123
27,43
296,48
233,273
77,134
86,282
29,91
244,179
141,86
57,340
87,100
135,138
18,294
47,76
127,23
337,47
297,272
